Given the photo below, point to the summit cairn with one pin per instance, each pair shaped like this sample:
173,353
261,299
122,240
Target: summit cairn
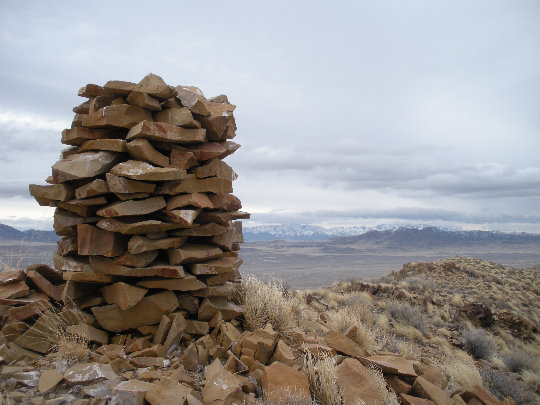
144,207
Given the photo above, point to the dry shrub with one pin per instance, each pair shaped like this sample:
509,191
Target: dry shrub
417,283
389,397
343,318
502,385
478,344
65,346
461,372
405,313
323,379
267,303
518,360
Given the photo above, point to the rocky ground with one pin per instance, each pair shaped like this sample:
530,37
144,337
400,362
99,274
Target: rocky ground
455,331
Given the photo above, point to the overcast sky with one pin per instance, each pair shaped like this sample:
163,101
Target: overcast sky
349,112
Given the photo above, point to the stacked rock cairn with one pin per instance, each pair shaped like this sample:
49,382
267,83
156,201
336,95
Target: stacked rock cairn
149,228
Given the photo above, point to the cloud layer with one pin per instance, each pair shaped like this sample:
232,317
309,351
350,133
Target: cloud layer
350,113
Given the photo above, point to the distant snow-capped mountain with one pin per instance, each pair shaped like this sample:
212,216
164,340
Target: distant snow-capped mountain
294,232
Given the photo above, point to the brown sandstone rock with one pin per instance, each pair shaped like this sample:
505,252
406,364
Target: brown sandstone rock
342,344
78,135
211,306
147,311
180,117
202,230
192,98
89,372
162,330
122,116
136,226
193,252
48,380
410,400
122,185
182,159
107,266
355,383
162,132
225,202
143,100
83,165
218,266
168,392
184,217
57,192
90,90
133,207
143,171
222,387
193,185
176,330
140,244
136,260
216,168
14,290
198,200
95,241
427,390
394,364
188,283
44,285
132,392
112,145
156,87
280,382
141,149
124,295
482,395
8,277
94,188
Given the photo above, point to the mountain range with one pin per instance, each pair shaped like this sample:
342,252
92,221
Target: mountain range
8,233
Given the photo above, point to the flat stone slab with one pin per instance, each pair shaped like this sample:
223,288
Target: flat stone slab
89,372
121,116
191,252
180,117
83,165
162,132
394,364
133,207
136,226
138,170
105,266
188,283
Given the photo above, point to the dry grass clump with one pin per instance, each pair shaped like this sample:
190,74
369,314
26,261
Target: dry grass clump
417,283
461,372
407,314
267,303
323,379
389,397
518,360
64,345
502,385
408,332
478,344
345,317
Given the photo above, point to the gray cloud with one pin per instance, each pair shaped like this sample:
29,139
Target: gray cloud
422,101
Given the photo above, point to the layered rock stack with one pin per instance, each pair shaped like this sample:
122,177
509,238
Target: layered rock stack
144,207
